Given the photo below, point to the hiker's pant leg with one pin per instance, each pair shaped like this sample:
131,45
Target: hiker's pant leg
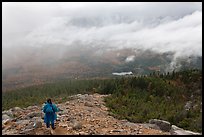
53,123
47,121
48,124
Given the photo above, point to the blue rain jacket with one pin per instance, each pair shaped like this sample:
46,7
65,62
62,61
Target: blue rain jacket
50,117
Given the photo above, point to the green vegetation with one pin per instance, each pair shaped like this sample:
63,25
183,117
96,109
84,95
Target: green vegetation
36,95
162,97
137,99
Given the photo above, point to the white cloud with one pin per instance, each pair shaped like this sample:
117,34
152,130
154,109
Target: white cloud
130,58
180,36
161,27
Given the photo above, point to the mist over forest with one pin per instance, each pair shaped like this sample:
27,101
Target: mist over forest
110,67
47,41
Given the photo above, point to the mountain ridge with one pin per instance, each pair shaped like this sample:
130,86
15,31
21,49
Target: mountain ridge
81,115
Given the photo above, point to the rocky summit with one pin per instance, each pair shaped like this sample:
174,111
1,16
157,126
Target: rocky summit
80,115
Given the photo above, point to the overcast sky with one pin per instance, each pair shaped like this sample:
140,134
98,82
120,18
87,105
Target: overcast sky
158,26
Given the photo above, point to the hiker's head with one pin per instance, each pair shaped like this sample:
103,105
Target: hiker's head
49,101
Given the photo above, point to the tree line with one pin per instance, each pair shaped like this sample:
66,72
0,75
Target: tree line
136,98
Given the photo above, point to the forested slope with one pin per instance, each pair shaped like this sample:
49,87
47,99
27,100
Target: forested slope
175,97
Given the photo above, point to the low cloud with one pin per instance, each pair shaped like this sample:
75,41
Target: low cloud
130,58
161,27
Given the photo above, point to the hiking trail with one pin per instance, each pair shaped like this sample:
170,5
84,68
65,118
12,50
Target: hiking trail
81,115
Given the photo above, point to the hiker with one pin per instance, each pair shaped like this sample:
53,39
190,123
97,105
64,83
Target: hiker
50,116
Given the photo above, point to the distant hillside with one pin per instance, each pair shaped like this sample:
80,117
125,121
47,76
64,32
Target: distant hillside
57,62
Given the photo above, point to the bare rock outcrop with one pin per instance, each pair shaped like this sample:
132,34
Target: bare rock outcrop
80,115
163,125
179,131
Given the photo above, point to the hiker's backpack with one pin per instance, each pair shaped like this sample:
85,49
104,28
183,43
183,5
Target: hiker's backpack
49,109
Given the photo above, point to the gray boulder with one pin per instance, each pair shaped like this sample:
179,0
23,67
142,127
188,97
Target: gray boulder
29,126
76,125
37,124
188,105
10,132
28,132
163,125
179,131
16,109
23,122
6,119
88,104
78,96
8,112
173,127
152,126
33,114
32,107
